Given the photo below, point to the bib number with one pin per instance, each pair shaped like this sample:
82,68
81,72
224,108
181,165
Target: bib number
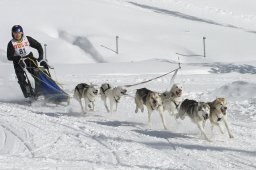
22,51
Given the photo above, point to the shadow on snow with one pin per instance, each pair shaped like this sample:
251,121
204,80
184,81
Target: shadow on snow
188,17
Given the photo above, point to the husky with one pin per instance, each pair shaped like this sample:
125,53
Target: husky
172,99
88,93
218,113
151,100
114,95
197,111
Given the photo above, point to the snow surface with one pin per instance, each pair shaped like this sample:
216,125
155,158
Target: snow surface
80,37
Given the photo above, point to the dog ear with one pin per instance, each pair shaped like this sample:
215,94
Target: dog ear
200,106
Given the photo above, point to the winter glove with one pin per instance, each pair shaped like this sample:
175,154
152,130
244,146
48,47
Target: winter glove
21,64
44,64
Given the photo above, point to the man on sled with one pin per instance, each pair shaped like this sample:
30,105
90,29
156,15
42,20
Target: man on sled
19,51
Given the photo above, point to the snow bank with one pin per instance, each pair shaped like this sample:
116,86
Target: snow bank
237,91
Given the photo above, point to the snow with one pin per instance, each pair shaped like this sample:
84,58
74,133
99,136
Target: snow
80,37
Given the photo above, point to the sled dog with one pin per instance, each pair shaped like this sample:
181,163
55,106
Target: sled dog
219,113
197,111
88,93
172,99
114,95
151,100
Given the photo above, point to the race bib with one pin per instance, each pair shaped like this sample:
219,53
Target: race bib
21,48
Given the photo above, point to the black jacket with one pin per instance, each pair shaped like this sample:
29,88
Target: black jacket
33,43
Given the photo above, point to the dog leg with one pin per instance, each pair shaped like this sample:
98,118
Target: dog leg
200,126
217,124
204,123
137,109
86,103
177,116
93,106
212,126
173,110
105,103
80,102
111,101
116,106
149,117
139,105
226,124
162,116
142,108
221,130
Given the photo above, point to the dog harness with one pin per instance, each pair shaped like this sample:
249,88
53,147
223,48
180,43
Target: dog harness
117,99
81,86
104,90
177,105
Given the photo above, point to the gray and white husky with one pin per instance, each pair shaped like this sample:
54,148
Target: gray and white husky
172,99
114,95
198,112
88,93
151,100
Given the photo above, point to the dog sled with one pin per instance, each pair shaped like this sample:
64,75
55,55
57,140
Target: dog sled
46,88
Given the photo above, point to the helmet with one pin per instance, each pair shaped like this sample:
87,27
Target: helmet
17,28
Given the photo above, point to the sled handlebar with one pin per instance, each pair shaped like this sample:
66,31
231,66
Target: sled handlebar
50,67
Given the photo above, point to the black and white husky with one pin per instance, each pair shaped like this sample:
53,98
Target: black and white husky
88,93
113,94
197,111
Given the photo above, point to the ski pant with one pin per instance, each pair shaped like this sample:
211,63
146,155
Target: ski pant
23,81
